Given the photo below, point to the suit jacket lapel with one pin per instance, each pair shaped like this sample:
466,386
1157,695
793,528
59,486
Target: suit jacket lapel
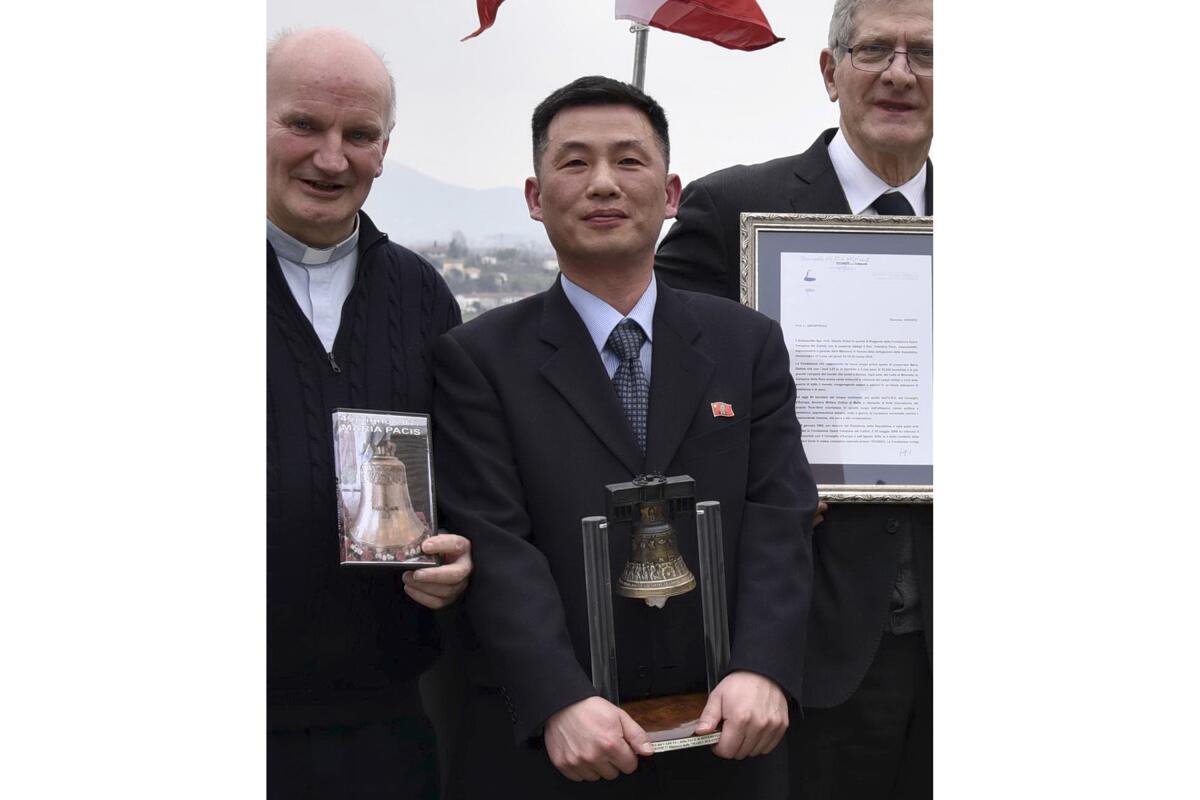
576,372
679,374
929,188
819,190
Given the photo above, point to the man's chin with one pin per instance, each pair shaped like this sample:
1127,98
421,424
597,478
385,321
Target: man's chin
899,139
323,227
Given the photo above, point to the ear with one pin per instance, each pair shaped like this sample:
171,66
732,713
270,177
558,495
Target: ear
533,198
674,189
828,67
379,171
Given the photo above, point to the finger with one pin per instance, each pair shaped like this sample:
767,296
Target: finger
574,773
626,762
636,736
780,729
761,741
772,741
774,733
582,771
430,583
751,742
612,757
621,759
744,739
559,762
448,544
439,590
456,572
426,599
732,736
769,732
710,717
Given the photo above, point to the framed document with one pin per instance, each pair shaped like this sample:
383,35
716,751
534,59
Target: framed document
854,296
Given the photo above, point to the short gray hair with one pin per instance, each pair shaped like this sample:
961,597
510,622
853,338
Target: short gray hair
841,25
390,115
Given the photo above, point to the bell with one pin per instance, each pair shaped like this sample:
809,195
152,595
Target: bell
386,519
655,570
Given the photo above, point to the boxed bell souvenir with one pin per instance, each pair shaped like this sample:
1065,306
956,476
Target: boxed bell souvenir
384,480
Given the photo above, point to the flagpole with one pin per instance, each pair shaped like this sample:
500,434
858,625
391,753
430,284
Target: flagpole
641,34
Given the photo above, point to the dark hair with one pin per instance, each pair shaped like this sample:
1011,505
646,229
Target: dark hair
596,90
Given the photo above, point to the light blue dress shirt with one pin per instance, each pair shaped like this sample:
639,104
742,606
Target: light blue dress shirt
600,318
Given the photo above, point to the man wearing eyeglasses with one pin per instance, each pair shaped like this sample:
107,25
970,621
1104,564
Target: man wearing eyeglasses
866,730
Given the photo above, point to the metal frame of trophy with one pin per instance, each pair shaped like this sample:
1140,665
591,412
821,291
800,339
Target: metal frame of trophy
655,572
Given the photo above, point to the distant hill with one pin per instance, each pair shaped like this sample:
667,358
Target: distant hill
413,208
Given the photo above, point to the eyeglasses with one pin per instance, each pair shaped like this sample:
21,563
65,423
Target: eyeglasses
878,57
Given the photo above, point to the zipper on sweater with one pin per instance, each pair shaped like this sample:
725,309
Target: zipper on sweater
342,322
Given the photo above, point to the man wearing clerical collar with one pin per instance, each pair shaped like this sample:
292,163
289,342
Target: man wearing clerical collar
351,320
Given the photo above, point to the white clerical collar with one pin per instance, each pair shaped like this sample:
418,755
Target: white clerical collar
289,247
862,186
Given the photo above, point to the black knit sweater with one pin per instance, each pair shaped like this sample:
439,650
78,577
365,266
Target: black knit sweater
343,643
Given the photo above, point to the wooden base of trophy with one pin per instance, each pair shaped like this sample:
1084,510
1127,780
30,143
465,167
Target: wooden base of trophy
670,722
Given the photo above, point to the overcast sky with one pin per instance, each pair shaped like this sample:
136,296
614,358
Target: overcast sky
464,107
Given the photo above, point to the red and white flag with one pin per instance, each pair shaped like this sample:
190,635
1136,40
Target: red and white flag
487,15
736,24
722,409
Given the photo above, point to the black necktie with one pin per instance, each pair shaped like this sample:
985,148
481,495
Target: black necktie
629,380
893,204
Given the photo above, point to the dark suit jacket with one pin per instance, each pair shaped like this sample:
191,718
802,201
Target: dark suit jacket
528,432
857,548
702,249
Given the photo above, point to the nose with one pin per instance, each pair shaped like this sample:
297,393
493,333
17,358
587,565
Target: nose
899,73
329,156
602,181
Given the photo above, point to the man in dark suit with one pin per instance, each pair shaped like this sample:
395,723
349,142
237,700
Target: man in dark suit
867,730
606,376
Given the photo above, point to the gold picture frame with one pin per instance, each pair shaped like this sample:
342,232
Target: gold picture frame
767,241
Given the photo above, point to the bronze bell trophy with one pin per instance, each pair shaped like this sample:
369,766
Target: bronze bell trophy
654,573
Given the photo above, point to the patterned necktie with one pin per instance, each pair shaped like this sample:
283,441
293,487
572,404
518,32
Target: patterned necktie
629,380
893,204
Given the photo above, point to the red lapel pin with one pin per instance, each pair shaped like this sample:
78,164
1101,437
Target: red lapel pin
722,410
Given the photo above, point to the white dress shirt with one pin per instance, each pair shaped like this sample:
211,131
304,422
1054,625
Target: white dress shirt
862,186
320,279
